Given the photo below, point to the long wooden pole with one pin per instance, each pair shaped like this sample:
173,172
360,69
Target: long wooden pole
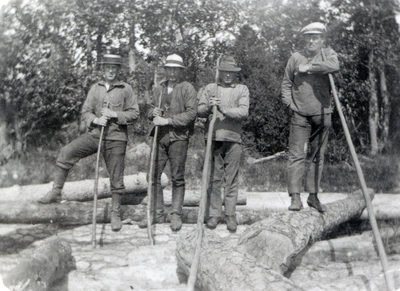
204,187
96,183
150,193
371,214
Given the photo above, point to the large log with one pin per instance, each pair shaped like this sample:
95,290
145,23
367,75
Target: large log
48,264
68,213
77,190
269,244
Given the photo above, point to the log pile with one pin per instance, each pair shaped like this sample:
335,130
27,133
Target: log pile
257,259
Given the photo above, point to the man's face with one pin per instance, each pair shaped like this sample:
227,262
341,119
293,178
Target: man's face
313,42
110,72
173,74
227,77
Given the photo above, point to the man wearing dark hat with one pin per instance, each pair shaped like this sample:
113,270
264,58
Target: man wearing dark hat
111,104
232,102
306,91
175,119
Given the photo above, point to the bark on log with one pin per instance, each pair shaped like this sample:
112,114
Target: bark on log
48,264
269,244
78,190
68,213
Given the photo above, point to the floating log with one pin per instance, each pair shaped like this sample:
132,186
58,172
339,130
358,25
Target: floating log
267,247
48,264
78,190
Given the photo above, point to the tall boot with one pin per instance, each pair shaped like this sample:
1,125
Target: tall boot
296,203
178,194
54,195
116,224
314,202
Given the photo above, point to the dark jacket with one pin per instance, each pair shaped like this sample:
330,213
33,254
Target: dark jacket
309,93
180,107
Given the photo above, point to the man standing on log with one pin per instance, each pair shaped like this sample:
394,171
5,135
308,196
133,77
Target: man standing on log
111,104
232,103
175,119
306,91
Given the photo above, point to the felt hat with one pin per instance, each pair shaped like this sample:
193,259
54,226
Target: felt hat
174,61
109,59
228,63
314,28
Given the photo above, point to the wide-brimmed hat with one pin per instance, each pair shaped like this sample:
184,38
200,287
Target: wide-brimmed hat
174,61
314,28
110,59
228,63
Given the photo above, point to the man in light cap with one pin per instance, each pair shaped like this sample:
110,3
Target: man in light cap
232,103
306,91
175,119
110,104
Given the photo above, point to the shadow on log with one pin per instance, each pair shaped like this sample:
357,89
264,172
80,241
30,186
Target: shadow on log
267,247
48,264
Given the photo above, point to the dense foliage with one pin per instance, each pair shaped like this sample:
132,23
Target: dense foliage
50,49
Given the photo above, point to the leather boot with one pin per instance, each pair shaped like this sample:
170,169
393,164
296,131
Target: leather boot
213,222
176,222
296,204
178,194
231,224
157,218
116,224
314,202
54,195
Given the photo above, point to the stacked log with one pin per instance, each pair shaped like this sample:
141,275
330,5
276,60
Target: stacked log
79,190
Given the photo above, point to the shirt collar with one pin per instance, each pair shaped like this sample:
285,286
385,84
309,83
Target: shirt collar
226,86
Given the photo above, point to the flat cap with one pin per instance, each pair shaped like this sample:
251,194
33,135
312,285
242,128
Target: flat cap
314,28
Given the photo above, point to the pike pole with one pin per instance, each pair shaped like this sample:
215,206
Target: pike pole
96,184
371,214
151,178
204,187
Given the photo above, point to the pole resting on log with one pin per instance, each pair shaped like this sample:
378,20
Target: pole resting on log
48,264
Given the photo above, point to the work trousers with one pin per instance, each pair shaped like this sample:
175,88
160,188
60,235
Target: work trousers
307,140
176,153
85,145
224,173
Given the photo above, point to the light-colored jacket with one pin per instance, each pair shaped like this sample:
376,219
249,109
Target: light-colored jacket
235,101
121,99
